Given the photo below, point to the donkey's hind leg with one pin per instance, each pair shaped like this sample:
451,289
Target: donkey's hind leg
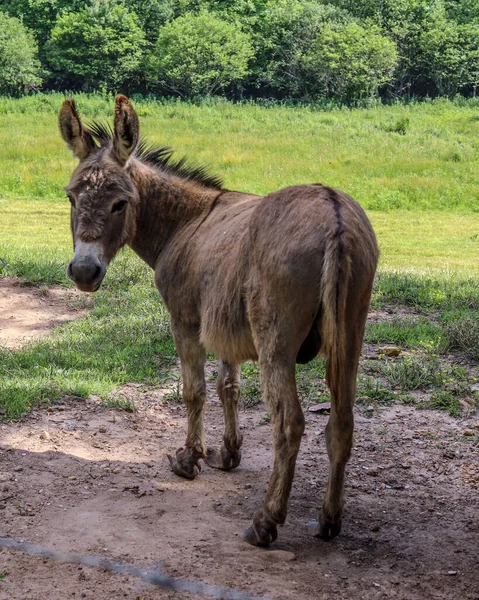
228,387
339,430
192,358
278,378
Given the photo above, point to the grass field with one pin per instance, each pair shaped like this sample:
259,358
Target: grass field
413,168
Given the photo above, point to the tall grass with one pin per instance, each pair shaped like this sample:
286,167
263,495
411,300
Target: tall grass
428,164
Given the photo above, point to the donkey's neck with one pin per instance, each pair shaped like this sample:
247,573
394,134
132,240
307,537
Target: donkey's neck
166,205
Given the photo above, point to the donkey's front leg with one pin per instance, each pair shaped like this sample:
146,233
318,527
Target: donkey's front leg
192,358
288,426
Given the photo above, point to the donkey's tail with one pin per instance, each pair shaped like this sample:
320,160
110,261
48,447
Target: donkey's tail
335,280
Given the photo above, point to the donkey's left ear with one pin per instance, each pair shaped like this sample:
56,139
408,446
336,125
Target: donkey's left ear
127,129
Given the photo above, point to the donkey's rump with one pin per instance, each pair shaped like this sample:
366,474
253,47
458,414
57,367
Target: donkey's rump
262,265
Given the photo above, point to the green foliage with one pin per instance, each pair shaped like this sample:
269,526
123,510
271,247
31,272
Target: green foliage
407,332
98,47
19,67
282,36
40,15
462,332
152,15
199,55
350,62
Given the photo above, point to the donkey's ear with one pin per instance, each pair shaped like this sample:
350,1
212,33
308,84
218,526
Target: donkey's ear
127,129
75,135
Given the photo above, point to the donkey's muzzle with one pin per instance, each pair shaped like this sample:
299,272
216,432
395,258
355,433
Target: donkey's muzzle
86,269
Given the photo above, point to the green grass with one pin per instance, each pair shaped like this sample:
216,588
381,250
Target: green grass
125,338
260,149
411,333
412,167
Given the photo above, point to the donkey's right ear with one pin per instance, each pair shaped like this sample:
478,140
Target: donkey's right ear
75,135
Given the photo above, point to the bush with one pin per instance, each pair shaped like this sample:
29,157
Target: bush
199,55
98,47
19,67
350,62
283,35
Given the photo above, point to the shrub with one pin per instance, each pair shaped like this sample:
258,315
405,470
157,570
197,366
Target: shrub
100,46
282,35
199,55
350,62
19,67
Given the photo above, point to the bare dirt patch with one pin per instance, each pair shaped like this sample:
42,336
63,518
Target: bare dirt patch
101,485
30,312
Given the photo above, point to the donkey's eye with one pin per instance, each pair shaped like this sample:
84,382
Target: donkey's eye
119,206
72,200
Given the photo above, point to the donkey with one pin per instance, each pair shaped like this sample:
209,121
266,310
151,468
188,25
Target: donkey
274,279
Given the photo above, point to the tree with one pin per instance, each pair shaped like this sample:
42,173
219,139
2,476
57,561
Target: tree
100,46
283,35
349,62
19,67
198,55
40,15
152,15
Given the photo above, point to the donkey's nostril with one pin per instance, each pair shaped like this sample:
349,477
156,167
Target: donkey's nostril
96,273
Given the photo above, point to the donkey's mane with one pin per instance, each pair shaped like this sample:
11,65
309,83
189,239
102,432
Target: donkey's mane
159,157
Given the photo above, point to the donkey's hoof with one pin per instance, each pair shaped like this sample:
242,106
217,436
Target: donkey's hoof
183,464
260,536
222,458
325,531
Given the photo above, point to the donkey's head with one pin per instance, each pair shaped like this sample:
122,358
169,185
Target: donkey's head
101,192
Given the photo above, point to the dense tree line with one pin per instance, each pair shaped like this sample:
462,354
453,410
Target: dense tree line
345,50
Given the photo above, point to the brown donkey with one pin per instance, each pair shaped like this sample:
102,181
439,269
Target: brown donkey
276,279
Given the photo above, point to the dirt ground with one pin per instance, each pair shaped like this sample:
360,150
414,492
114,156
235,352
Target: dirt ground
100,484
30,312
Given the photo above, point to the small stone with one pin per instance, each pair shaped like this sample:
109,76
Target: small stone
390,351
45,436
5,476
116,470
102,429
468,432
375,527
18,469
238,502
72,477
452,572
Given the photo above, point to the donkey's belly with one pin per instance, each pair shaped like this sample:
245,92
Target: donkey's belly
230,344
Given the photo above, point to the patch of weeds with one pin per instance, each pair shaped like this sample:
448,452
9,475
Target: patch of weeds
250,385
443,400
173,382
462,333
412,372
265,419
371,389
119,403
407,399
2,576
